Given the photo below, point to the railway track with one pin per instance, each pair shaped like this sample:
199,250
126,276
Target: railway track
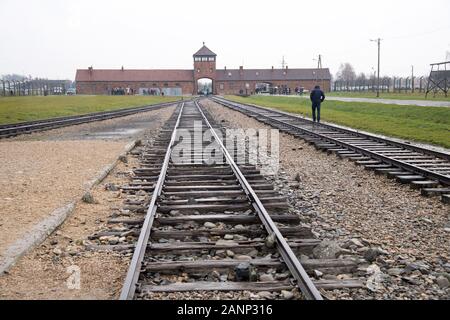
215,227
11,130
424,169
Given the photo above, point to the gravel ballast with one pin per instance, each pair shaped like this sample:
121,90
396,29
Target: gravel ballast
401,234
47,170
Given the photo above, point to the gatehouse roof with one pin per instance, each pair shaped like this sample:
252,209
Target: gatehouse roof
205,51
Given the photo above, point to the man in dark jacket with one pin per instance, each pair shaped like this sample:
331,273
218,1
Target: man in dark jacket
317,97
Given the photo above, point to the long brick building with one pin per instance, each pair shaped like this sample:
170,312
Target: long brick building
188,82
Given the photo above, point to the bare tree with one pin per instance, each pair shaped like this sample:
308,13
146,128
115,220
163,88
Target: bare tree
361,80
346,72
13,77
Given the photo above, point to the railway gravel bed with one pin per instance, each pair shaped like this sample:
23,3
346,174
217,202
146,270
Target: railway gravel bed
123,128
207,236
400,239
39,177
405,236
43,273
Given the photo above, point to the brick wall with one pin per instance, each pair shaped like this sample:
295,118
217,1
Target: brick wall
204,69
188,87
233,87
104,88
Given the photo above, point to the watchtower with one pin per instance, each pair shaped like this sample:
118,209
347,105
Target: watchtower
439,79
204,67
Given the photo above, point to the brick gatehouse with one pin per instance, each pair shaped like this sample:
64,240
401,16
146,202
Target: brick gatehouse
185,82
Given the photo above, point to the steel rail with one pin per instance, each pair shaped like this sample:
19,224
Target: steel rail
445,180
52,123
355,133
132,277
305,284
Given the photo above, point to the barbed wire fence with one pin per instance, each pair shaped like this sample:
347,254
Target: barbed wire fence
34,87
387,85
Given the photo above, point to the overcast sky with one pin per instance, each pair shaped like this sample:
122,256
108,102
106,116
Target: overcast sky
52,38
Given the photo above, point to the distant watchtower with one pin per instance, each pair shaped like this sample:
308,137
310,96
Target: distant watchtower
204,67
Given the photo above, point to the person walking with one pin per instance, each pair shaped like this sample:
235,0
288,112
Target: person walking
317,97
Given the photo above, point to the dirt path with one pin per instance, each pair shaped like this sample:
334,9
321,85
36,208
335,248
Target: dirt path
47,170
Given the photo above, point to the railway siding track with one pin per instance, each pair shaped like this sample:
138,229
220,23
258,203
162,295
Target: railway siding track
424,169
12,130
214,227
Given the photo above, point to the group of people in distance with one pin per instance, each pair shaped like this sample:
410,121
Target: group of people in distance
122,91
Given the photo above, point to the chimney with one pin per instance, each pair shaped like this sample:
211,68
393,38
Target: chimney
225,68
241,70
90,69
272,68
122,68
286,68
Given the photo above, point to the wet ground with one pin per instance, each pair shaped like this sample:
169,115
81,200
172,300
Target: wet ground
117,129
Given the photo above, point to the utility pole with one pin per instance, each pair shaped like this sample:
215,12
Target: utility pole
319,66
378,80
412,79
283,63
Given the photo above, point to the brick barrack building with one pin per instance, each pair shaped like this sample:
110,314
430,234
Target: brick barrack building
186,82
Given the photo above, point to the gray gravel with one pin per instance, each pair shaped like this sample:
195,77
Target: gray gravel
400,233
117,129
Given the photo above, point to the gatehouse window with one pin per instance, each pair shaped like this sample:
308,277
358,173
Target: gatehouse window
221,86
166,84
154,84
211,59
229,74
177,84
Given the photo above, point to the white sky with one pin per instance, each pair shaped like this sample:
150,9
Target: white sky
52,38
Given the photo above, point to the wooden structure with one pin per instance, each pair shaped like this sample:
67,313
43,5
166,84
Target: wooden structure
439,79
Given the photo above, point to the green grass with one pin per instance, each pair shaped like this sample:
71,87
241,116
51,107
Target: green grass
422,124
18,109
398,96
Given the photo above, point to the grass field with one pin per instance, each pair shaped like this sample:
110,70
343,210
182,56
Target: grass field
422,124
18,109
399,96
